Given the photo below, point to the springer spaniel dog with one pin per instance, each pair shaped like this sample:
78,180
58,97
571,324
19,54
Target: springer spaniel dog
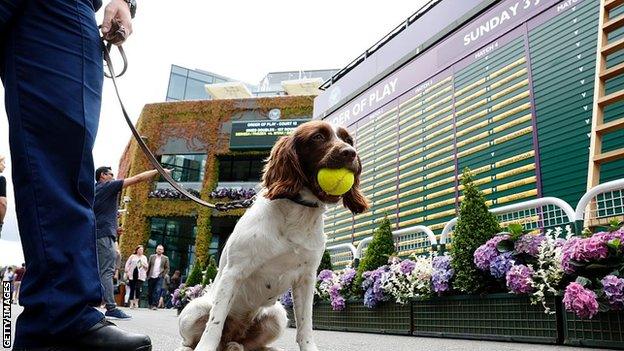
276,245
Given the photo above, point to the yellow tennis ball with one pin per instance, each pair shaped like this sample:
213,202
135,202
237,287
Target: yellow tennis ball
335,181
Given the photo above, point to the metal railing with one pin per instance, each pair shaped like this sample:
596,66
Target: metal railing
601,204
342,255
408,240
533,214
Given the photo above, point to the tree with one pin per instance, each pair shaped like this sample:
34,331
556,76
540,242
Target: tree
475,226
196,275
325,263
211,271
380,249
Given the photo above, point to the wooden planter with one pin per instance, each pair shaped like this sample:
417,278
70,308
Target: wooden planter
606,329
387,318
503,317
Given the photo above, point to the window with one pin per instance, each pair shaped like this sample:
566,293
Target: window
240,169
195,90
186,167
176,87
177,235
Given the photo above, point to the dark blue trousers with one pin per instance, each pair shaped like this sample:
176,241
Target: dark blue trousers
51,68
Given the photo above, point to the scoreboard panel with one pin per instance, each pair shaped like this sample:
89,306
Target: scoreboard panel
517,111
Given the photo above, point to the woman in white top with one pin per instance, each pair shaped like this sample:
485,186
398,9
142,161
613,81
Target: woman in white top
136,271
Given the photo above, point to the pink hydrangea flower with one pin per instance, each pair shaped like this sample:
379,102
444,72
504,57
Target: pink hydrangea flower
520,279
580,300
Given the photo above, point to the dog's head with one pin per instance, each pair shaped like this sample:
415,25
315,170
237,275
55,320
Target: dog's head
296,159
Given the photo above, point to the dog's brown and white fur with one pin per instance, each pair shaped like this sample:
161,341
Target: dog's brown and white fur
276,245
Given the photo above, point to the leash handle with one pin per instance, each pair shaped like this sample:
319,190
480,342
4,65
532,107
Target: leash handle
150,156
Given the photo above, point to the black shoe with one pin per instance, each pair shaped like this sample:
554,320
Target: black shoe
106,336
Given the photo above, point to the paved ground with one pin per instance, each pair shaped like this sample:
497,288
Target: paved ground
162,327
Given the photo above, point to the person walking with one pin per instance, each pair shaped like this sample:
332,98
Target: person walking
158,268
136,271
51,67
3,194
107,190
17,282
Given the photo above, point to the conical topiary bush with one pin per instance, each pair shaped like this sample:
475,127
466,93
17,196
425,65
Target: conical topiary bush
475,226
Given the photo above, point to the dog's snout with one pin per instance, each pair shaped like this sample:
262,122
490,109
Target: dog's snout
347,153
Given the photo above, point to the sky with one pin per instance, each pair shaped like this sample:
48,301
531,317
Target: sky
243,40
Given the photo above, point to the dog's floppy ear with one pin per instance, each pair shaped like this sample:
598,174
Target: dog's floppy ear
283,176
354,199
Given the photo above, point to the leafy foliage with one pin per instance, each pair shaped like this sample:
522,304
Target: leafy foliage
195,277
211,271
325,263
474,227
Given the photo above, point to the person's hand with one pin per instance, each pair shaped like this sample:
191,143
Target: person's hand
118,11
168,171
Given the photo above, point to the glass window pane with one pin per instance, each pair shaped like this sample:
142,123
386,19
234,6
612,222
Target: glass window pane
179,70
178,238
176,86
195,90
240,170
186,168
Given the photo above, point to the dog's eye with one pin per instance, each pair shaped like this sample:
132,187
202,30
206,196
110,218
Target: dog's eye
349,141
318,137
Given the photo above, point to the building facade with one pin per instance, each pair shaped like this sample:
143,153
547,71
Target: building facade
504,88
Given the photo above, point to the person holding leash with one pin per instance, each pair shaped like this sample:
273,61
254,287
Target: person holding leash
52,70
107,190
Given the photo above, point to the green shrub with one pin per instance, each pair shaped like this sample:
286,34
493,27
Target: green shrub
195,277
475,226
211,271
325,263
380,249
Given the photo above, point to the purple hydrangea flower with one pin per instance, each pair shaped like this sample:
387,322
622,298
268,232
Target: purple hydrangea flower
372,286
529,244
407,266
325,275
484,255
501,265
337,301
567,250
442,273
520,279
286,299
613,288
592,248
581,301
347,277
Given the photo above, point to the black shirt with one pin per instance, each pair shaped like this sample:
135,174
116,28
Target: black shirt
2,186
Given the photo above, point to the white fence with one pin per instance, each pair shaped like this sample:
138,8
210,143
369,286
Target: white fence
601,203
416,239
342,255
533,214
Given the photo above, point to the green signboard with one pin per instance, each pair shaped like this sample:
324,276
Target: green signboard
261,134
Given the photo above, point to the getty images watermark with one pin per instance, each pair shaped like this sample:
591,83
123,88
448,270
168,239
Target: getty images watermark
6,314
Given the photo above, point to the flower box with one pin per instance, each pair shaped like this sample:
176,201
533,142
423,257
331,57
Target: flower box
502,316
387,318
606,329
